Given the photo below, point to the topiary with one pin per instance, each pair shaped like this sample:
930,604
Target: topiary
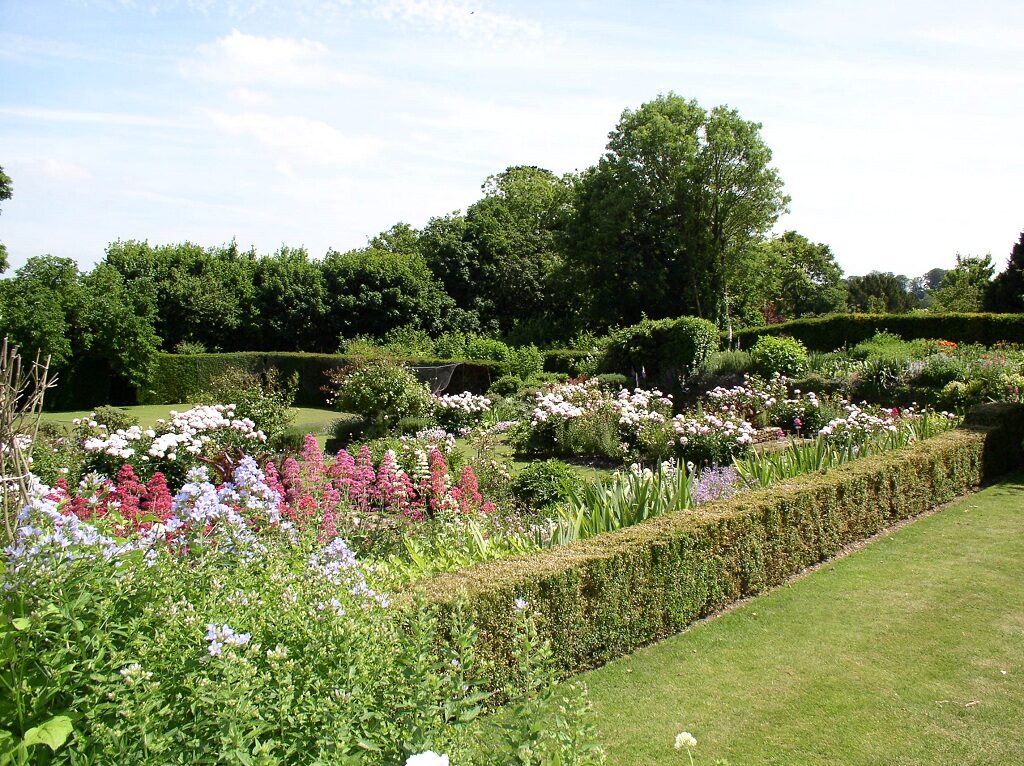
660,347
784,355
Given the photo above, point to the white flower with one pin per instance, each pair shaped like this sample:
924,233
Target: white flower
685,739
521,604
429,758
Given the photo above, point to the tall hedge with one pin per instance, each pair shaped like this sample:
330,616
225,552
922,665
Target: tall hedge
177,377
604,597
831,332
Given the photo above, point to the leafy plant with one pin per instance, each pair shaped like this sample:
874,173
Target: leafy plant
381,390
545,484
782,355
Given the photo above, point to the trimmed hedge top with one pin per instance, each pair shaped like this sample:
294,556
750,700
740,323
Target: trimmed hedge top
177,377
605,596
838,330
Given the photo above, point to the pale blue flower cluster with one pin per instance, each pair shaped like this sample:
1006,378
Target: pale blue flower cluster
337,564
46,536
220,636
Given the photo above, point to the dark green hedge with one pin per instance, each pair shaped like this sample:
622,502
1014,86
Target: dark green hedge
565,360
180,376
831,332
604,597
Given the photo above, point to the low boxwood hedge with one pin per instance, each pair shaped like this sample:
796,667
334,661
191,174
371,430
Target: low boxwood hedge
604,597
838,330
177,377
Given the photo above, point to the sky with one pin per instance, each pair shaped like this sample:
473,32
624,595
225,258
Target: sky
896,125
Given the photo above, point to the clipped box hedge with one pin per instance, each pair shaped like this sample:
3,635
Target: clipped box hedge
177,377
603,597
838,330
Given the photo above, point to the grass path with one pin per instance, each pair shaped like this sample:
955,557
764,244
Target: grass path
910,651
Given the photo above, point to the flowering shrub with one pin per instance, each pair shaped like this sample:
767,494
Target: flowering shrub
380,390
455,411
712,438
174,446
266,647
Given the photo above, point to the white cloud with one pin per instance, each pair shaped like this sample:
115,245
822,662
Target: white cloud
97,118
239,58
61,170
298,137
248,97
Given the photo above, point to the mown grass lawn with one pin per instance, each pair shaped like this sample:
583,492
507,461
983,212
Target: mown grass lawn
317,421
910,651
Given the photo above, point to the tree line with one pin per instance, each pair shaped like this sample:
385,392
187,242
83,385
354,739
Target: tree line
672,220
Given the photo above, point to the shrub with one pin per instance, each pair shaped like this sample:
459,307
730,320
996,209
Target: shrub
114,417
885,345
661,348
290,439
940,369
189,347
613,381
606,596
728,363
452,345
488,348
544,484
882,380
525,362
265,399
382,391
507,385
786,356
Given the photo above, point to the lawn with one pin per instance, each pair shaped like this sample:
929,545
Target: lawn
910,651
317,421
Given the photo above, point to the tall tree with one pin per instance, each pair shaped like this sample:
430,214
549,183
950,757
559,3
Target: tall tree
964,286
804,275
664,218
1006,293
880,292
6,190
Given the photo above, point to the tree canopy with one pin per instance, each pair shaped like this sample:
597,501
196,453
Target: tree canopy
664,218
1006,292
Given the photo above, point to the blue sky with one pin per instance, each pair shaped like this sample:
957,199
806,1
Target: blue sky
895,125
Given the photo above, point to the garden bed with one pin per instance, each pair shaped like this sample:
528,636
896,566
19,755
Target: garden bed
607,595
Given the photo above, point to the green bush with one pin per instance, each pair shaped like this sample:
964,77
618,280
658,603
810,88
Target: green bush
291,439
883,345
845,330
382,391
728,363
882,381
525,362
489,349
608,595
346,430
507,385
545,484
614,381
661,348
786,356
265,399
114,418
940,369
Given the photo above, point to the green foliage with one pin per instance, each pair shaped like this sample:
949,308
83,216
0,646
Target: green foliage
670,210
98,332
488,348
880,292
607,595
178,378
964,287
1006,292
189,347
625,500
613,381
507,385
382,391
327,677
525,362
262,397
884,345
114,417
661,347
728,363
544,484
783,355
845,330
6,190
800,277
882,380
